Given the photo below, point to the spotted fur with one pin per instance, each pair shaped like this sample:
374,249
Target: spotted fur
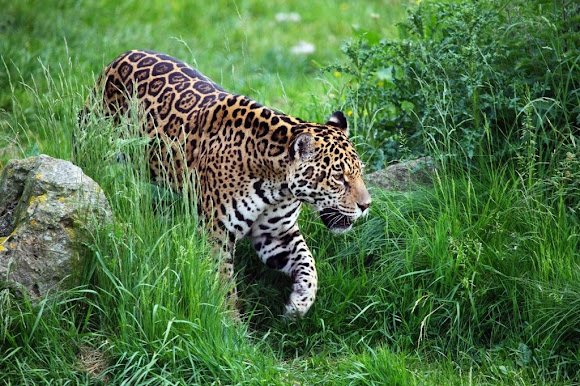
253,166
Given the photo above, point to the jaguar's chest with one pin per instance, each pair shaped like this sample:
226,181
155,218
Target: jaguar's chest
259,208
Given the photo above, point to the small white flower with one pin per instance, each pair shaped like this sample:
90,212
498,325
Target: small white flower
303,48
292,17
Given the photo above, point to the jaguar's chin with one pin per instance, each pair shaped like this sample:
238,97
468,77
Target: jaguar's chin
336,221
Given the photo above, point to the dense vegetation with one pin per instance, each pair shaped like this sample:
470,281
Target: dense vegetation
475,280
491,90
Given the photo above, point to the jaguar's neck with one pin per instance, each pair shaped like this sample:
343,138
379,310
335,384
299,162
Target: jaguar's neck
267,136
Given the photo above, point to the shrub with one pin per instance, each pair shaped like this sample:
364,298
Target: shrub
469,77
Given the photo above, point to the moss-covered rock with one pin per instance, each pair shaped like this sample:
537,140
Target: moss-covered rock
404,176
48,207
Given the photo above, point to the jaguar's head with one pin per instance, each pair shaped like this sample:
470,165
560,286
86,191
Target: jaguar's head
326,172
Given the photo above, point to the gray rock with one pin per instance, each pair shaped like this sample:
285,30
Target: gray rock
47,208
404,176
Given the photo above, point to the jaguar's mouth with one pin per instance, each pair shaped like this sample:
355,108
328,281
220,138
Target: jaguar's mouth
335,221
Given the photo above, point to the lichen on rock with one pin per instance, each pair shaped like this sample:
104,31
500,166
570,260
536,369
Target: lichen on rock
48,207
404,176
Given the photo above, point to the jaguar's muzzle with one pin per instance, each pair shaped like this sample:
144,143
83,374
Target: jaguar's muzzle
335,221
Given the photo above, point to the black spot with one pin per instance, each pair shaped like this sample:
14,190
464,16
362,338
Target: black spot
213,124
129,89
175,123
207,100
204,87
110,88
191,72
179,87
309,172
280,134
286,119
249,118
260,192
141,90
289,237
186,101
262,130
275,220
147,61
191,127
141,75
136,56
125,70
162,68
238,138
222,96
192,144
278,261
176,77
231,101
156,85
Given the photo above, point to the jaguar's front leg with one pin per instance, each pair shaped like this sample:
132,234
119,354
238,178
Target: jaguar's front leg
287,251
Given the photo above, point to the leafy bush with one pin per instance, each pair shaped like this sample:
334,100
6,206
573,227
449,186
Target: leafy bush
469,74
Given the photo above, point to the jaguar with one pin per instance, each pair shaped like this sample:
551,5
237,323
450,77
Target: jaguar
253,167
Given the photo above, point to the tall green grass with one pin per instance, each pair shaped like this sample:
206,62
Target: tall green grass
478,271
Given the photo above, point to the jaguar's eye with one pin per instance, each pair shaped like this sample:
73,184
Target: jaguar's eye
342,179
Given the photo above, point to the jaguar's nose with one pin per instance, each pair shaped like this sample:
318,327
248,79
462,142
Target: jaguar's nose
363,205
363,198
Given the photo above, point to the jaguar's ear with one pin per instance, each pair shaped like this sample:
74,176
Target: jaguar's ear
302,147
337,119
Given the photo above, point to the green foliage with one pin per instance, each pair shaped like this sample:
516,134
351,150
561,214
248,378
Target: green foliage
469,73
